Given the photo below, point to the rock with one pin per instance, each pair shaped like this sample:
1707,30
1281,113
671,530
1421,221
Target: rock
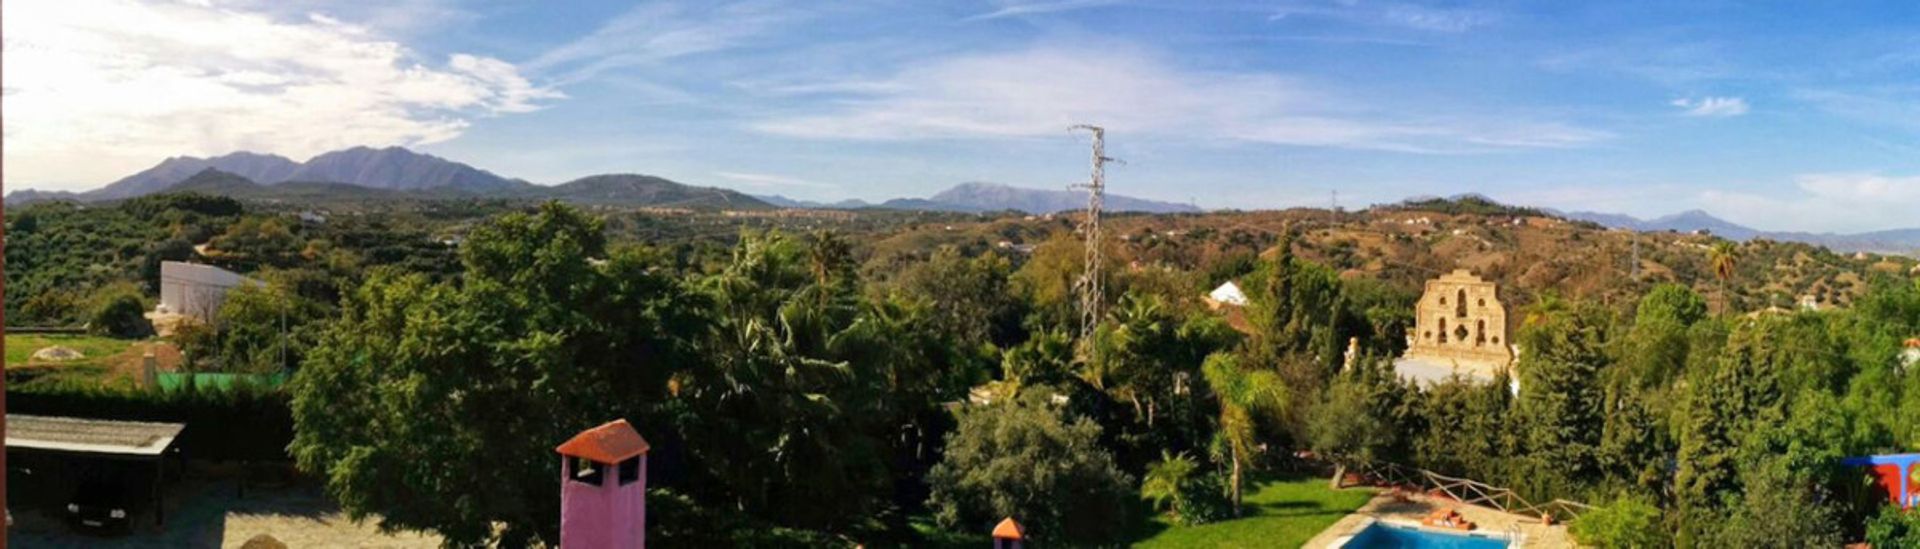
57,354
263,541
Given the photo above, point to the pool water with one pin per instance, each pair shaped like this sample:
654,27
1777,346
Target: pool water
1386,536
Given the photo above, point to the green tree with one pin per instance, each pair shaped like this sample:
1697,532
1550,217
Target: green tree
1025,459
1626,523
437,405
1355,421
1244,395
266,329
1724,259
1559,410
970,298
1046,358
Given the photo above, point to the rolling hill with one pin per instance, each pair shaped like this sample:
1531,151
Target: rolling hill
643,190
1894,241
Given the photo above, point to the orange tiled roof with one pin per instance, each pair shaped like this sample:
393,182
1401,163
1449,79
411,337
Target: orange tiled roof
1913,342
611,442
1008,529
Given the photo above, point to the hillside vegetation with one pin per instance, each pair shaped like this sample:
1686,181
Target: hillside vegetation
903,378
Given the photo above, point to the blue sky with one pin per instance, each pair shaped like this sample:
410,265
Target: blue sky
1780,115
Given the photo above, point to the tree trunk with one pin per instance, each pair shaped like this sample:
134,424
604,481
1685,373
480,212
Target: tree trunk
1339,474
1236,482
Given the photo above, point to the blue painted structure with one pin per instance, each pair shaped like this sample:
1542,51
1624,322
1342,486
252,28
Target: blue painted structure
1892,465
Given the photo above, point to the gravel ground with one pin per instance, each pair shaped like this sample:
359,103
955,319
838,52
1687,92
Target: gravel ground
212,513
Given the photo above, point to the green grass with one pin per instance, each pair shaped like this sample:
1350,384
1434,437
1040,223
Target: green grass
20,347
1279,513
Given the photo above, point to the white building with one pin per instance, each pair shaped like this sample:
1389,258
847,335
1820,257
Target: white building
192,289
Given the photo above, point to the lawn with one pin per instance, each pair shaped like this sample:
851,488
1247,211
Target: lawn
1279,513
20,347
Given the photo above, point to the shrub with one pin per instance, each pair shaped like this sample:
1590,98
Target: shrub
1024,459
1189,496
120,315
1625,523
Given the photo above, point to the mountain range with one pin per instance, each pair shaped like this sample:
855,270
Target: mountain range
1895,241
395,173
344,174
392,168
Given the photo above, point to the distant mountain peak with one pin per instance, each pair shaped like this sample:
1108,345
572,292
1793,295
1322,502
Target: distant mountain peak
394,168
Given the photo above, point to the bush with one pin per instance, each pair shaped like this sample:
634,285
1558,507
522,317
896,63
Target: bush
1894,528
1190,497
120,315
1024,459
1625,523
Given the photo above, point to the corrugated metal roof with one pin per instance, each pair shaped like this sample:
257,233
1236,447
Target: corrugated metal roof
101,436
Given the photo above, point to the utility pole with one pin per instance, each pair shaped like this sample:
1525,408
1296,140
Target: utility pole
1333,208
1096,186
1636,254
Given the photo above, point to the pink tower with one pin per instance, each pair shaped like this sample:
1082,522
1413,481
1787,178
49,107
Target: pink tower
603,488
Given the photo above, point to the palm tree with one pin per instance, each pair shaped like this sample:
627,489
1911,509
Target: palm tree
1166,482
1243,394
1723,257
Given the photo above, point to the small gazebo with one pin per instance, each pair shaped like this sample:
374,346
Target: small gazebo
1008,534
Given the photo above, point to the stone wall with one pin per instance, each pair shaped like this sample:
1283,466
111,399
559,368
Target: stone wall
1460,320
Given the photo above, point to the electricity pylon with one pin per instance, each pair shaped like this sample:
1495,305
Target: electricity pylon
1089,284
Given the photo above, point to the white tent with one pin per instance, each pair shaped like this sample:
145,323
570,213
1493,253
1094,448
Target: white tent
1228,294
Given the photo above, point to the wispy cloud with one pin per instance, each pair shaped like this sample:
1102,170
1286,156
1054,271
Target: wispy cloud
1885,106
1827,202
99,88
658,31
1714,107
1040,91
763,180
1020,8
1398,15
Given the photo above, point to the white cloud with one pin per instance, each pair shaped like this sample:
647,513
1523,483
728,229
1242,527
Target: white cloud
1827,202
1715,107
1039,92
101,88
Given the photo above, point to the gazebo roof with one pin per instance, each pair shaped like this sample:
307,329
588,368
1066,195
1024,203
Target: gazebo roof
611,442
1008,529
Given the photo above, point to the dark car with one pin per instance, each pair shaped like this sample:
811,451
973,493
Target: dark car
100,504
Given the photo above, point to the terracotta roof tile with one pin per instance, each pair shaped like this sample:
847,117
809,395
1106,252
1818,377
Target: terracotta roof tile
611,442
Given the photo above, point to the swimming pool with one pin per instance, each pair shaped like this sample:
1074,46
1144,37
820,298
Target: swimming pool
1380,535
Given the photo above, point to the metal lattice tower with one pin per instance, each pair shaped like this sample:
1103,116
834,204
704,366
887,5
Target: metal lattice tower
1089,283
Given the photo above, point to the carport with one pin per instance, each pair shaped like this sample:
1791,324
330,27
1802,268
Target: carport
49,450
